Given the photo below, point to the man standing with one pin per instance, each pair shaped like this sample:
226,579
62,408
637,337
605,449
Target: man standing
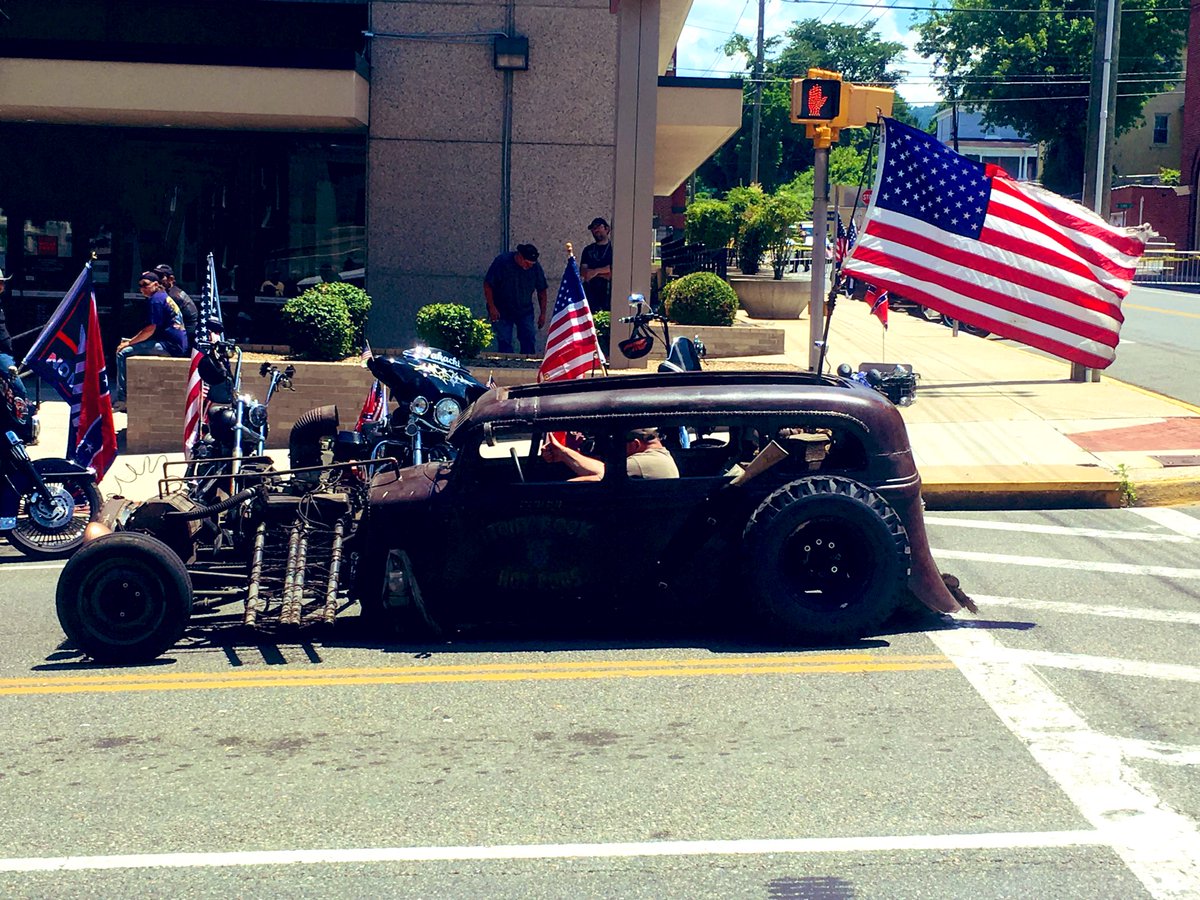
162,335
595,267
187,307
508,288
7,361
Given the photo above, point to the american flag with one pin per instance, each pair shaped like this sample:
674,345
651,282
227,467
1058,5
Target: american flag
967,240
69,355
878,301
374,408
210,297
844,243
195,401
572,346
366,355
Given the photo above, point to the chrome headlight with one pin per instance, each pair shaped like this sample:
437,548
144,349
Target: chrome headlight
446,412
256,414
419,406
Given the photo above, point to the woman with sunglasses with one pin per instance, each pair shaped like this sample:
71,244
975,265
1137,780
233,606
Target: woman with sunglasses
162,335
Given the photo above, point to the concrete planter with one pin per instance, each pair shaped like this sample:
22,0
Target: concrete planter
763,297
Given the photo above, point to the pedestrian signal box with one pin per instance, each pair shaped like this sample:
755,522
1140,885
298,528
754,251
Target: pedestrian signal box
817,100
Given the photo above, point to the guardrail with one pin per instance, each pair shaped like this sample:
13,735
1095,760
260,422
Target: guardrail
1168,267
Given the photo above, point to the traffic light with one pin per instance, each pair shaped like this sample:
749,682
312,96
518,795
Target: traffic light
817,100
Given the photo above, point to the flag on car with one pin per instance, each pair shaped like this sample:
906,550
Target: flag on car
967,240
572,346
878,301
69,355
844,243
491,382
366,355
374,408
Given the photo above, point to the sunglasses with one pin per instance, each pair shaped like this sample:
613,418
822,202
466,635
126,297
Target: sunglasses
143,284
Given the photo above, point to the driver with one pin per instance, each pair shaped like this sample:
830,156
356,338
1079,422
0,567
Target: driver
645,457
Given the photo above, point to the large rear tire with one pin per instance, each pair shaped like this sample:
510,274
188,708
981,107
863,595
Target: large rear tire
826,557
54,529
124,598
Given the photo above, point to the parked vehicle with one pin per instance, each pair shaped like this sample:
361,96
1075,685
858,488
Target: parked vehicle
45,504
797,502
683,354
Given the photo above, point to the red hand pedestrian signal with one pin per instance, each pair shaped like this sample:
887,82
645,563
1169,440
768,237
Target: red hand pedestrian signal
822,98
817,98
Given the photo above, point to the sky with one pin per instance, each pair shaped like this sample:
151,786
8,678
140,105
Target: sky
711,22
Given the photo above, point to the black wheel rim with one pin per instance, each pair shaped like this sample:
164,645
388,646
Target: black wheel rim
828,562
122,602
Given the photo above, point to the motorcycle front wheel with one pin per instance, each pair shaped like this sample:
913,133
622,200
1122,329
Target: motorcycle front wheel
53,528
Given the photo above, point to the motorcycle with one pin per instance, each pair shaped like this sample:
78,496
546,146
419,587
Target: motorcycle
235,438
431,389
45,504
683,354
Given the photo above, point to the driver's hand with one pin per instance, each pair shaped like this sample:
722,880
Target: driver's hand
551,450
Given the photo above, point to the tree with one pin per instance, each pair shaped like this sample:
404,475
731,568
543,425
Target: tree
989,54
854,50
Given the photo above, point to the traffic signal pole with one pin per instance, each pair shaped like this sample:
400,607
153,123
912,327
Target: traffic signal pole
816,303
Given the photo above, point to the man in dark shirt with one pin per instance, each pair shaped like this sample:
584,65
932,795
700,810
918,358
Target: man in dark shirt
162,335
7,361
187,307
595,267
508,288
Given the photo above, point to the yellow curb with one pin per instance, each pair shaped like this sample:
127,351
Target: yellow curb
1026,486
1167,492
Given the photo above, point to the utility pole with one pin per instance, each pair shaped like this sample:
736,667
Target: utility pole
758,74
1101,133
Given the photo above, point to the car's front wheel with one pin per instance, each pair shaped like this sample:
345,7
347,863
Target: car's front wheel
124,598
826,557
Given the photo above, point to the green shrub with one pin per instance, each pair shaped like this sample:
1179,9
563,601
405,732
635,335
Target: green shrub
603,322
701,298
358,304
1168,176
711,223
318,325
453,328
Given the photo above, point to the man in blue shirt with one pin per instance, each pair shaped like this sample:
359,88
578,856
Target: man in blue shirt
162,335
508,288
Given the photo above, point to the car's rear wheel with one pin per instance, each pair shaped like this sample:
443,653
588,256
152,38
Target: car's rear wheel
826,557
123,598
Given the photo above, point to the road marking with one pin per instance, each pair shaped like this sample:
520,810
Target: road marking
1066,531
1049,563
1157,751
1019,840
845,663
1158,844
1171,616
1177,521
29,567
1159,309
1106,665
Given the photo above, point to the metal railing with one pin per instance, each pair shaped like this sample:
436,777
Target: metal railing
1168,267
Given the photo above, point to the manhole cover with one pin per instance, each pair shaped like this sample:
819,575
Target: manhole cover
1170,462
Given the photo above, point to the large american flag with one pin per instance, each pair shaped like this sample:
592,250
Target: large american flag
69,355
572,346
195,403
967,240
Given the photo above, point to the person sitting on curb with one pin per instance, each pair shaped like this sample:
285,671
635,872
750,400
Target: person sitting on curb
645,457
162,335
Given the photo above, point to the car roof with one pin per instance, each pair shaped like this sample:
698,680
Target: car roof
683,395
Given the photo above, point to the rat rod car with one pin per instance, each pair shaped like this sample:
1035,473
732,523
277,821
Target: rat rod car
797,500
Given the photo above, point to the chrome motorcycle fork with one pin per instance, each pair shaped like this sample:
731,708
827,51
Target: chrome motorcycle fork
417,453
25,468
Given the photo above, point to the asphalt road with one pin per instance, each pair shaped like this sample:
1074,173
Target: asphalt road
1047,747
1158,342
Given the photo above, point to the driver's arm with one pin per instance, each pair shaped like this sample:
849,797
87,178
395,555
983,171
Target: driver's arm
589,469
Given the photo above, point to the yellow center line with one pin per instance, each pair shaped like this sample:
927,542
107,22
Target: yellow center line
843,664
1159,309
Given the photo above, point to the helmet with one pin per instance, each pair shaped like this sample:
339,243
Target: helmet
638,344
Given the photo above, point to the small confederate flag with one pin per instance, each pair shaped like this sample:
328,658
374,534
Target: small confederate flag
572,346
878,301
69,355
967,240
374,408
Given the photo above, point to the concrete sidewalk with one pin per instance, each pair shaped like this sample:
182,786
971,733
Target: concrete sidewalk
994,425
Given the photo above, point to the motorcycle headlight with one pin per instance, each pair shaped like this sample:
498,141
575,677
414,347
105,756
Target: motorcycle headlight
419,405
257,415
446,412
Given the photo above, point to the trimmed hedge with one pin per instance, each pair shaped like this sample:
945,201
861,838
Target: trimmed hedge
701,298
318,325
453,328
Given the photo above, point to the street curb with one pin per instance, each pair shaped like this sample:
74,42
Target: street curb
1173,492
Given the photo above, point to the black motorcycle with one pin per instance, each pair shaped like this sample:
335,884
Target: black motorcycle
683,354
235,437
431,389
45,504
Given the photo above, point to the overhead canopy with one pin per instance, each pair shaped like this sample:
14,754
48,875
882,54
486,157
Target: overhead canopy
695,117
